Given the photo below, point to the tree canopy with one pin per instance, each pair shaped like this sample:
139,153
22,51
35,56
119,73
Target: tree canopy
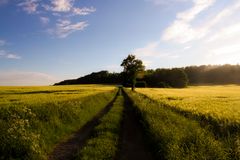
132,67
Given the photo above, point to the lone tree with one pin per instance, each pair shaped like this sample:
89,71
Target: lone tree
132,67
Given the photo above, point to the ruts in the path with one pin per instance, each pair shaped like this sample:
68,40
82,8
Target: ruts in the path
67,150
132,146
131,142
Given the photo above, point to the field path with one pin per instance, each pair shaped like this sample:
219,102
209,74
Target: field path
67,149
132,146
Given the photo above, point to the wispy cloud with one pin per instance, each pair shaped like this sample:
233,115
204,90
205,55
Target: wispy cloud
153,52
58,10
198,7
83,11
149,50
30,6
2,42
44,20
197,38
165,2
25,78
181,31
67,6
4,54
12,56
65,27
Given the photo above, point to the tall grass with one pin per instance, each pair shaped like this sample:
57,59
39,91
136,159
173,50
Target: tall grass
30,129
173,136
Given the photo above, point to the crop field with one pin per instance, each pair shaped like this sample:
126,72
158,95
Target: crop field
39,94
215,108
220,104
173,136
34,119
105,122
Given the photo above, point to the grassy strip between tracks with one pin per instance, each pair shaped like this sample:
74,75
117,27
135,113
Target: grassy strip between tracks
104,142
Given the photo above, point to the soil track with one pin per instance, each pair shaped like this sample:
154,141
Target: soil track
131,142
67,149
132,146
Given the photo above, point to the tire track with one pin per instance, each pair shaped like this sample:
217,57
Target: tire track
132,145
67,150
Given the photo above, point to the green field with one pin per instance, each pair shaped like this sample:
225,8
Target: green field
198,122
173,136
34,119
218,104
215,108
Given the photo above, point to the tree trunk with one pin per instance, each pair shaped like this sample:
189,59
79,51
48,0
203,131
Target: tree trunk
133,86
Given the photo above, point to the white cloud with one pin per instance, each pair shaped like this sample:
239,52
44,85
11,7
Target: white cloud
165,2
230,34
61,9
44,20
65,27
12,56
23,78
198,35
6,55
222,54
2,42
30,6
198,7
226,12
181,31
149,50
152,52
228,49
62,5
187,47
83,11
67,6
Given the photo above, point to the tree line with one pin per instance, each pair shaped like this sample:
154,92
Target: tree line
213,74
134,74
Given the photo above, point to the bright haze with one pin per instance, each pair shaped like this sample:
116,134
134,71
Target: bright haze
45,41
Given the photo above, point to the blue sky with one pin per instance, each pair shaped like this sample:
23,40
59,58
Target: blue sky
45,41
